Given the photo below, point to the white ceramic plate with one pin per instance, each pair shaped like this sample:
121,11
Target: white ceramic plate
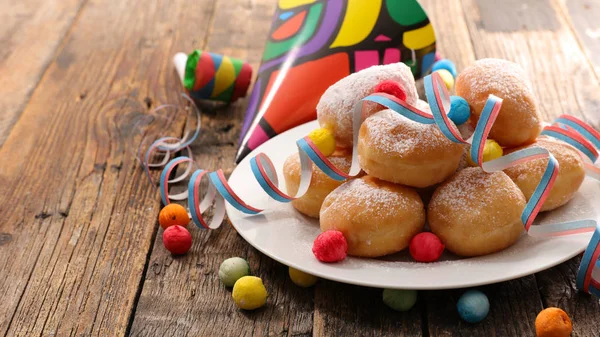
285,235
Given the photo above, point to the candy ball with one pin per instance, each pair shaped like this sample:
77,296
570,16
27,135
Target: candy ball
177,239
324,140
400,300
447,78
391,87
459,110
232,270
249,293
473,306
492,150
437,56
446,65
301,278
330,246
553,322
426,247
173,214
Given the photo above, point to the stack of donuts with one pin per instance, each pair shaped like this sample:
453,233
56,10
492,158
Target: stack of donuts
412,174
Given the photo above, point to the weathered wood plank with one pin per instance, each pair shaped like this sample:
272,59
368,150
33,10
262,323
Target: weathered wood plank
30,34
582,15
544,45
183,295
78,212
346,310
557,287
452,35
513,308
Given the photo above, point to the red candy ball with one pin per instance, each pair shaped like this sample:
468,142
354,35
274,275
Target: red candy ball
426,247
177,239
330,246
392,88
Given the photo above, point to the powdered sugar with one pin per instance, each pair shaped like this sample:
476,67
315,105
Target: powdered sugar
335,106
360,195
472,190
502,76
504,79
567,157
397,135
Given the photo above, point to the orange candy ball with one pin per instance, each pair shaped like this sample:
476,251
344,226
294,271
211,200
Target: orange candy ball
173,215
553,322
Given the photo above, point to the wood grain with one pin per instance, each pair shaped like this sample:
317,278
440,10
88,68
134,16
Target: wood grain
513,308
544,45
347,310
582,16
78,212
557,287
183,296
30,33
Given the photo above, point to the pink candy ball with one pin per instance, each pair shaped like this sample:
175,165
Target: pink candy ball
426,247
177,239
330,246
392,88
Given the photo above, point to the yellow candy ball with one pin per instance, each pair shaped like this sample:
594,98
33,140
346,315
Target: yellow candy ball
249,293
491,150
301,278
324,140
446,77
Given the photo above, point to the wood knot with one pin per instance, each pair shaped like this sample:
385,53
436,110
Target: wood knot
148,102
43,215
5,238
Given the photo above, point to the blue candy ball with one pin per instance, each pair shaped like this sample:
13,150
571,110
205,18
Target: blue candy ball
445,64
473,306
459,110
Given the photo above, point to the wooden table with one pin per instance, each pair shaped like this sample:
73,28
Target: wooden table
80,250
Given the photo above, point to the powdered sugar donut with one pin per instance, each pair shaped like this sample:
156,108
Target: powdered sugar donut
571,173
476,213
519,121
320,184
334,110
394,148
377,218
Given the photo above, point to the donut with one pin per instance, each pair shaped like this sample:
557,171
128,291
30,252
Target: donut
476,213
519,121
571,173
376,217
334,110
394,148
320,184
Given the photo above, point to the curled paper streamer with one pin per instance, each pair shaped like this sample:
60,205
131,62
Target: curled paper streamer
570,130
314,43
212,76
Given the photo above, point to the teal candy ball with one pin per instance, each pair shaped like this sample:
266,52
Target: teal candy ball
473,306
233,269
401,300
459,110
445,64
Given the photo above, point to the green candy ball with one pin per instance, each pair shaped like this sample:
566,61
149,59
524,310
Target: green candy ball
232,270
401,300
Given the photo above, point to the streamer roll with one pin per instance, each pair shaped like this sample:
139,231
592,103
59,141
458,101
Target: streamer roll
210,76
